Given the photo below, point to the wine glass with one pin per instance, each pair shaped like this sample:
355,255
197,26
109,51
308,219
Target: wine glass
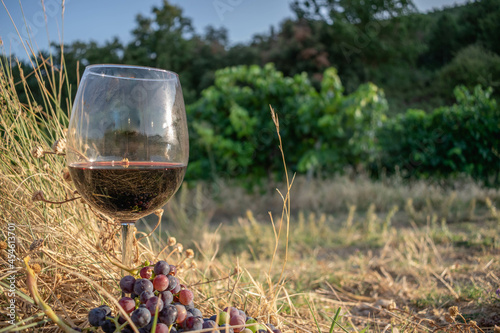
127,145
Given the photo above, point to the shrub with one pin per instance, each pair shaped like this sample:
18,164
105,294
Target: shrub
232,133
459,139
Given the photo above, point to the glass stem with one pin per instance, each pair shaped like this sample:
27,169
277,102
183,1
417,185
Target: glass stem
128,235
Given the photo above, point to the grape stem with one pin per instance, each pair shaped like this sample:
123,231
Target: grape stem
132,271
59,202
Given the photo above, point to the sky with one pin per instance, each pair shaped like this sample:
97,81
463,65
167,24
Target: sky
101,20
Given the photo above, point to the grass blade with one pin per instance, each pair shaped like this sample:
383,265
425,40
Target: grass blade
312,313
334,321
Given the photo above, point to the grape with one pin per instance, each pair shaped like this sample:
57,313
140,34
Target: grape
186,296
181,313
243,314
196,312
146,272
172,282
273,328
224,329
210,324
141,317
127,303
145,295
237,320
213,318
173,270
147,328
143,285
127,284
161,328
188,315
166,297
223,318
194,323
177,289
168,315
162,267
153,303
160,282
97,316
189,306
108,326
232,311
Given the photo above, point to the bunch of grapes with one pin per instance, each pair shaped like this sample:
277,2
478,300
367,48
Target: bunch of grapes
158,290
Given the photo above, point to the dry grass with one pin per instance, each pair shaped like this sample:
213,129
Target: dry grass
383,256
69,244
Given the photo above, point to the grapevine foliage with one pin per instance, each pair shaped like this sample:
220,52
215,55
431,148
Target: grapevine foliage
232,133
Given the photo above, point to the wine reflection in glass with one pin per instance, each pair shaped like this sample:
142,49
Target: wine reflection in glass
127,147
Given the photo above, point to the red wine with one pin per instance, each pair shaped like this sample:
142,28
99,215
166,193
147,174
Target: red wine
127,191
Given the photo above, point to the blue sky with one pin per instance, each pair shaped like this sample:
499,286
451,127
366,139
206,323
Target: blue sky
101,20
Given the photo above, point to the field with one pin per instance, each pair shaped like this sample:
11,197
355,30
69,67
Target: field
342,254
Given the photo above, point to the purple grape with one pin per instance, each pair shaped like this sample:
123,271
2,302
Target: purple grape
145,295
148,327
161,328
193,323
166,297
177,289
173,282
153,303
210,324
186,296
189,306
160,282
188,315
141,317
108,327
127,303
168,315
143,285
127,284
162,267
273,328
232,311
97,316
196,312
237,320
146,272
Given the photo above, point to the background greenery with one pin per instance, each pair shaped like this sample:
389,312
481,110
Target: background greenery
360,86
